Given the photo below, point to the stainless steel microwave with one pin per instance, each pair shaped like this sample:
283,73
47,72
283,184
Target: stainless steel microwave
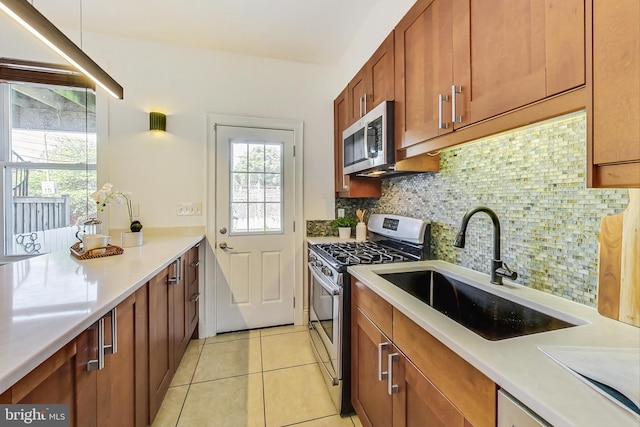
368,143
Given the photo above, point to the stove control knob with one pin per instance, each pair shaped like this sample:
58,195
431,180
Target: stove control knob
327,271
312,257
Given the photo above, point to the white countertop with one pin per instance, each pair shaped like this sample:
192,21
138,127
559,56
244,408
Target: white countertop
516,364
48,300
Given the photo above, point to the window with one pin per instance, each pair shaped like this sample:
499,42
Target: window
256,187
48,159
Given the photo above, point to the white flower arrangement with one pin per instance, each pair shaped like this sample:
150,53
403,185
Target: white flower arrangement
107,194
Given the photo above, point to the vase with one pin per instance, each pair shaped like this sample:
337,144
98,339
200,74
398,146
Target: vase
129,239
344,232
361,232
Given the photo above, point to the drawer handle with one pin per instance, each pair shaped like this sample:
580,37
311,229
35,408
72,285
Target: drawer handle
391,388
381,375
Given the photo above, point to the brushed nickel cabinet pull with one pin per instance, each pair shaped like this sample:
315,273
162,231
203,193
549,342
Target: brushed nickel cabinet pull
442,99
391,388
381,374
454,113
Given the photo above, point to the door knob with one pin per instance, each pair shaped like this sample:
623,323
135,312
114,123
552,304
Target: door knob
223,245
223,230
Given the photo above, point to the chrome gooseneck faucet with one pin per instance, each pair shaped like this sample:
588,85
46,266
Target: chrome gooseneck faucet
498,268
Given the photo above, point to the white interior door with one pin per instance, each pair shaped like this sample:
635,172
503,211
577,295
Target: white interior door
255,241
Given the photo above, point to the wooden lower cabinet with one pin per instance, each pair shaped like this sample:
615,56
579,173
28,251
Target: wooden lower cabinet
417,399
121,384
173,319
179,289
161,350
390,388
113,395
192,276
153,327
54,382
368,384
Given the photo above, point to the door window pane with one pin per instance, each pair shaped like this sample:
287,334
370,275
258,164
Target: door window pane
256,180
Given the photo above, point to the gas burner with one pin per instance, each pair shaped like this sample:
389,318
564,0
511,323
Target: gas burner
352,253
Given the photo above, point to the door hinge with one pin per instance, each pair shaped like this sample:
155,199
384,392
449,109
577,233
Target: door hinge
294,302
294,151
294,226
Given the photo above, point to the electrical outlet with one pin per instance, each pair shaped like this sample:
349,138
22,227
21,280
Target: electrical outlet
189,209
340,213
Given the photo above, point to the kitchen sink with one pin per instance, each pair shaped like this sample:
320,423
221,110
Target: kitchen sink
488,315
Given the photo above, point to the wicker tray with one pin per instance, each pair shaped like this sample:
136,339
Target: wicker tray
109,250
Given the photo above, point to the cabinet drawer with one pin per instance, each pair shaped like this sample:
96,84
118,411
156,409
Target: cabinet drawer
469,390
376,308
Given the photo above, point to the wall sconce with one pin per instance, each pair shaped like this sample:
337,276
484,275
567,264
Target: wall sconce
30,18
157,121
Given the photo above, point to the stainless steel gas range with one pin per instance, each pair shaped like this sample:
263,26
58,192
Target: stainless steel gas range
392,238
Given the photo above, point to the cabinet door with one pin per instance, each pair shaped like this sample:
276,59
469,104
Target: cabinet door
614,132
121,393
356,90
180,299
373,83
380,75
346,186
417,401
193,289
469,390
161,348
62,379
369,350
423,72
511,53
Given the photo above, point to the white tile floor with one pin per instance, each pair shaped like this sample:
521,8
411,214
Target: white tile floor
264,377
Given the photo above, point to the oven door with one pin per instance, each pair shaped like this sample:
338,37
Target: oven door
325,323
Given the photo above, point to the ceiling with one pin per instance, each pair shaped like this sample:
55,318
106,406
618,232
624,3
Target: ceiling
312,31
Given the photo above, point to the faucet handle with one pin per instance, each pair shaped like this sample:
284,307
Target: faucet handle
505,271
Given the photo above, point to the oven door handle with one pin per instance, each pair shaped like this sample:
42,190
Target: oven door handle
326,284
334,380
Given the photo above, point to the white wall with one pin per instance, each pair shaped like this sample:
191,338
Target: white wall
163,170
374,29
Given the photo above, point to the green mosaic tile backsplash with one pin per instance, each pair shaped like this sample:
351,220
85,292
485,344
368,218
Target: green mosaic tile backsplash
534,179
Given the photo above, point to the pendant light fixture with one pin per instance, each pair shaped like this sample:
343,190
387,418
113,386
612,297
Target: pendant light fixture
38,25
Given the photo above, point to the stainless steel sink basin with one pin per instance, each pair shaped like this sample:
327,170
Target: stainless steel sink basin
488,315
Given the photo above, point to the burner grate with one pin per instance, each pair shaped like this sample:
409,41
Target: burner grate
352,253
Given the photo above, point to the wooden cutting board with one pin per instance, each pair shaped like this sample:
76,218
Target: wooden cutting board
619,263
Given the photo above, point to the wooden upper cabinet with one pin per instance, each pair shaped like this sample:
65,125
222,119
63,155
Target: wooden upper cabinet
423,72
346,186
614,94
508,54
373,83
